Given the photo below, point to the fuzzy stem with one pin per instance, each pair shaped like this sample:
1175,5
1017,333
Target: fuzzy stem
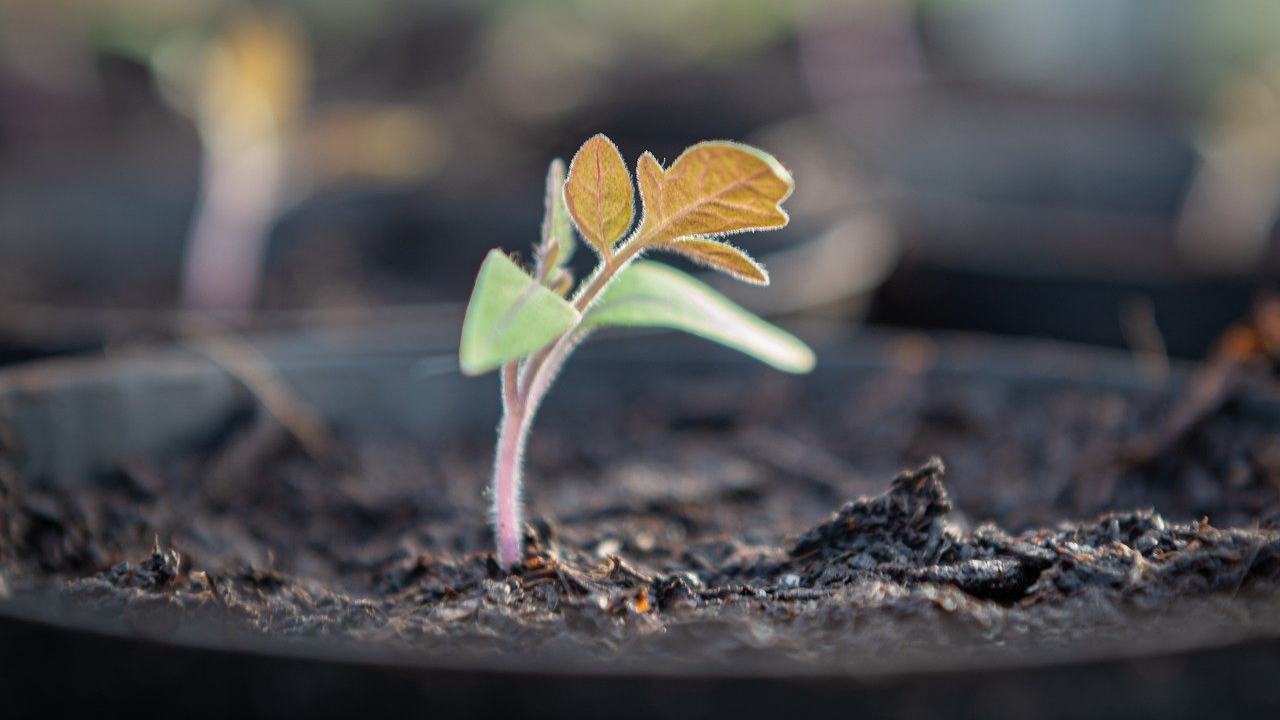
591,289
522,391
512,438
241,190
519,408
608,270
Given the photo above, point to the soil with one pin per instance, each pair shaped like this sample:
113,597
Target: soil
701,524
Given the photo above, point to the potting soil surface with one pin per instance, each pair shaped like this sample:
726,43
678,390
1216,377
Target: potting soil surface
694,522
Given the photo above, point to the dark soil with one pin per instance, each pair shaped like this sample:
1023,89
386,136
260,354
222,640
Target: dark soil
699,523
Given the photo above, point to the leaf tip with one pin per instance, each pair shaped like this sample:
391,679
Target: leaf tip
601,137
760,276
804,362
509,316
775,166
648,161
470,353
721,256
470,366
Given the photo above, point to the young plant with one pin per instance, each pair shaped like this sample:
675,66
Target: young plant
527,323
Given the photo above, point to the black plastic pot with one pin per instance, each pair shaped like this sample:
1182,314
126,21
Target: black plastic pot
66,421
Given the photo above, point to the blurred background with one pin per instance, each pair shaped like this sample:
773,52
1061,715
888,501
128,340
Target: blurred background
1100,171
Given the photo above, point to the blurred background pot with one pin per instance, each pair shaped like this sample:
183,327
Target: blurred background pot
1037,169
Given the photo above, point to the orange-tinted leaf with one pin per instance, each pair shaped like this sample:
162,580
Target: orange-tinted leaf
649,175
721,256
713,188
599,193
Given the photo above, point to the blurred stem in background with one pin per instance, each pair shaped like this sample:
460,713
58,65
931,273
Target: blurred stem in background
1233,199
249,95
265,149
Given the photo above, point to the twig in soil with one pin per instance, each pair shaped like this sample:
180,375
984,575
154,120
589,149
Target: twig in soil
1244,344
618,568
248,365
545,569
1142,333
1092,484
244,455
787,454
1096,475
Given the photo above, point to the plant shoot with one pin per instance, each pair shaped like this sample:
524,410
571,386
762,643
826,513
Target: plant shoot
526,322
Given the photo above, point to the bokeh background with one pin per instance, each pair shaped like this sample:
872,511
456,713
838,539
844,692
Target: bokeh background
1099,171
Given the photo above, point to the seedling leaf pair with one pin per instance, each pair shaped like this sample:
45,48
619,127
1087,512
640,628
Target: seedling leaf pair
527,323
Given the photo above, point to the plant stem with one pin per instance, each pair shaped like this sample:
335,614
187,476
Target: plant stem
607,271
582,301
512,438
241,189
519,407
522,391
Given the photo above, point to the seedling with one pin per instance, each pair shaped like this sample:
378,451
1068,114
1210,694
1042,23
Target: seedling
526,323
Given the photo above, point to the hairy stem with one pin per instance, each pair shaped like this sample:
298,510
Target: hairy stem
582,301
523,387
512,438
522,391
605,273
519,408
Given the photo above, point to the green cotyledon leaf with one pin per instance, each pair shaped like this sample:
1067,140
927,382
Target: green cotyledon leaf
510,315
650,294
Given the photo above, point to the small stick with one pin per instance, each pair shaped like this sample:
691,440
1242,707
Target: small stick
1142,333
254,370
